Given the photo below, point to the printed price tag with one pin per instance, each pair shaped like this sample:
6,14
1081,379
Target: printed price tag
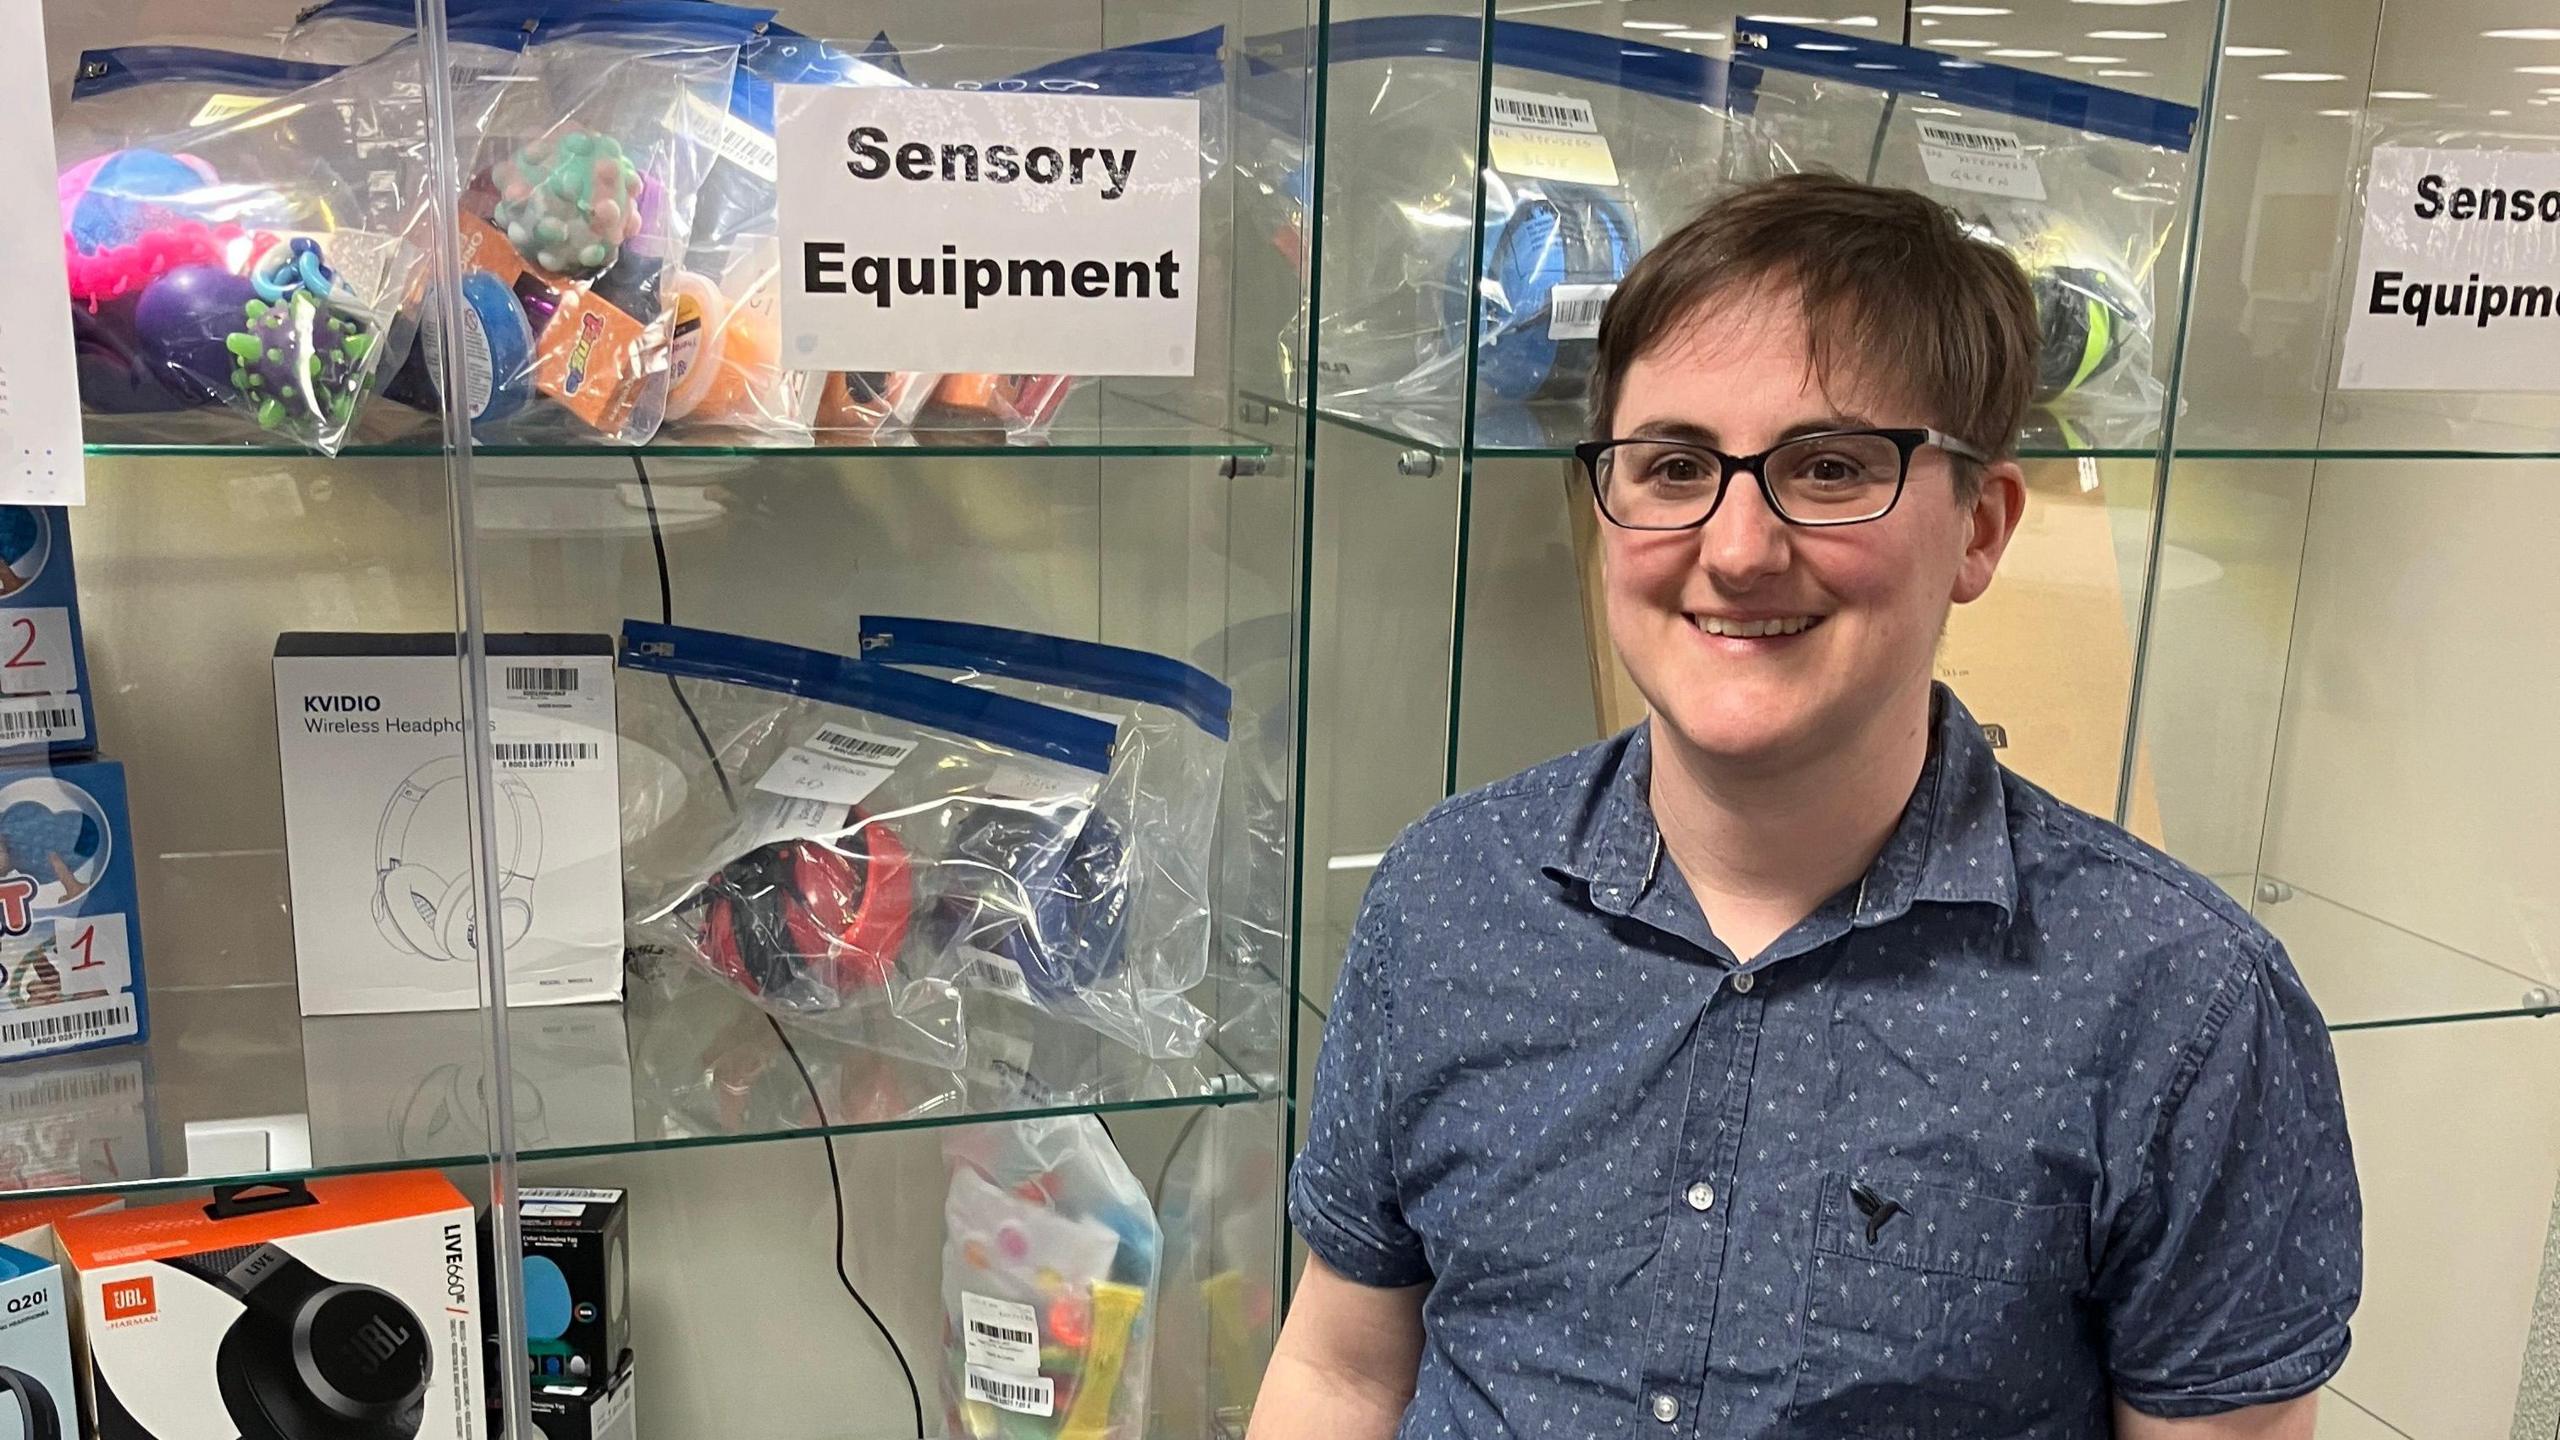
1549,137
43,719
1036,1396
1573,312
805,774
1003,1336
991,971
847,743
1986,162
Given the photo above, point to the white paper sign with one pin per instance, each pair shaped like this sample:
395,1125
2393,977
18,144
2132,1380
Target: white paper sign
1986,162
2458,282
941,231
40,460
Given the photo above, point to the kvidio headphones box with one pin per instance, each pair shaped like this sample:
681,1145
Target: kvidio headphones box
345,1307
385,907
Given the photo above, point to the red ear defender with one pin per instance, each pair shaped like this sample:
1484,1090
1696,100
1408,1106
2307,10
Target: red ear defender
809,924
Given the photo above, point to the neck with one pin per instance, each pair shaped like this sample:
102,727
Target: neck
1762,847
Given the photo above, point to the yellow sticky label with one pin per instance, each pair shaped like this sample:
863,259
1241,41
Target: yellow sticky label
218,108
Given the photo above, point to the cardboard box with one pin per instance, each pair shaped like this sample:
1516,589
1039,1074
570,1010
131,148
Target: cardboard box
70,931
591,1412
385,907
209,1322
35,1346
44,665
28,1224
576,1283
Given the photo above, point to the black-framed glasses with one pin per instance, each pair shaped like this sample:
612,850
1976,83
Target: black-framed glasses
1839,477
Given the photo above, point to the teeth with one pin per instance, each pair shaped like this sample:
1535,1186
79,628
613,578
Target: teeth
1753,629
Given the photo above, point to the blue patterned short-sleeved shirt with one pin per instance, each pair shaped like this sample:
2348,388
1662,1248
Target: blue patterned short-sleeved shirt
2030,1117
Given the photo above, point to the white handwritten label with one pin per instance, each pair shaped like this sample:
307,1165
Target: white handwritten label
1986,162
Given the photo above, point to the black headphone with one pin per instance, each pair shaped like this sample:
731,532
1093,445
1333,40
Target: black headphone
314,1358
37,1419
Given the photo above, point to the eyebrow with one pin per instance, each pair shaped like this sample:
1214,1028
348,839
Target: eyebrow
1689,432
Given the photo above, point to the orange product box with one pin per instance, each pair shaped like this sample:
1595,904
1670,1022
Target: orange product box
357,1297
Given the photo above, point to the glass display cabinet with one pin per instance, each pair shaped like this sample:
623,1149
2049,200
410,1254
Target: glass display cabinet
1042,1124
2263,611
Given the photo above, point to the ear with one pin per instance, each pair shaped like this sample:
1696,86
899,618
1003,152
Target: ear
1988,523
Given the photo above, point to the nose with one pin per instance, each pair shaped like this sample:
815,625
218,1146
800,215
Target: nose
1744,542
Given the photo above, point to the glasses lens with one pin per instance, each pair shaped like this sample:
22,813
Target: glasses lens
1836,477
1654,484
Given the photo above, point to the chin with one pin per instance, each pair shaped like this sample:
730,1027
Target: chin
1737,728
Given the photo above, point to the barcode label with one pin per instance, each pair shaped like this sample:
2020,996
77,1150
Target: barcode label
72,1024
542,679
1023,1397
991,971
861,745
47,718
1573,311
223,107
1544,112
1987,162
1547,137
545,754
1002,1337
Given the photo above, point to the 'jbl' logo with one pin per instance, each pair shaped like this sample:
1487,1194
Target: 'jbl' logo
375,1342
131,1299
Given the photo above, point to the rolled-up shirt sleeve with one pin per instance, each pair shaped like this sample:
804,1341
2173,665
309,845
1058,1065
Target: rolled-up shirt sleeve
1343,1195
2233,1269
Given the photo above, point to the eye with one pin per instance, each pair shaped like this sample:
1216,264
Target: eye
1679,467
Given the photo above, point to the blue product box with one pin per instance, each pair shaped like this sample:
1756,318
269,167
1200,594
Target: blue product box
44,667
70,929
35,1344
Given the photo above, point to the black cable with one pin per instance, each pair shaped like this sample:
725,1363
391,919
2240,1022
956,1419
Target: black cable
835,1178
667,616
835,1172
1173,1152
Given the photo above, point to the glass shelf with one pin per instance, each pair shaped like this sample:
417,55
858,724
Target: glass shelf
1127,443
681,1064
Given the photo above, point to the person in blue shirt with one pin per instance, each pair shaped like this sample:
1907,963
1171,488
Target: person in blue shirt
1784,1068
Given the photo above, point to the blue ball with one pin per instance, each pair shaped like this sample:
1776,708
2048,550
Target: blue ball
125,196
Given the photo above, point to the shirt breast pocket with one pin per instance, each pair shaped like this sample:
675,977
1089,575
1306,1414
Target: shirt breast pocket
1934,1311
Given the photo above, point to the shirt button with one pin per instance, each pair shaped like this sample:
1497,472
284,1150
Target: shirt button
1742,983
1702,1196
1665,1409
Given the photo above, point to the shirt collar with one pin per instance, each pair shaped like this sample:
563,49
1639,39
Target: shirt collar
1951,845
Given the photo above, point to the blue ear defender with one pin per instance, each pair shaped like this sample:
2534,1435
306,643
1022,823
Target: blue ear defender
1568,236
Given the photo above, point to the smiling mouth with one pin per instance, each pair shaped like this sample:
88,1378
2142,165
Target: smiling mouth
1754,629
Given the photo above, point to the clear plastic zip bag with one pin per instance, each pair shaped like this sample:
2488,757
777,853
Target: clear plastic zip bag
1160,799
579,206
343,32
1593,145
270,250
2083,184
814,830
1050,1256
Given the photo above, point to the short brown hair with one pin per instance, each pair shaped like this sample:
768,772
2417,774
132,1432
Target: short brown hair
1890,285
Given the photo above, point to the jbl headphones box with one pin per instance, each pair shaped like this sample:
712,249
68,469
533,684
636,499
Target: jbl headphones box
70,930
36,1373
377,841
338,1309
44,667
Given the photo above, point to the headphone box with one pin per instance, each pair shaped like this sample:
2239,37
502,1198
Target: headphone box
70,933
345,1307
44,667
385,907
36,1374
576,1283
